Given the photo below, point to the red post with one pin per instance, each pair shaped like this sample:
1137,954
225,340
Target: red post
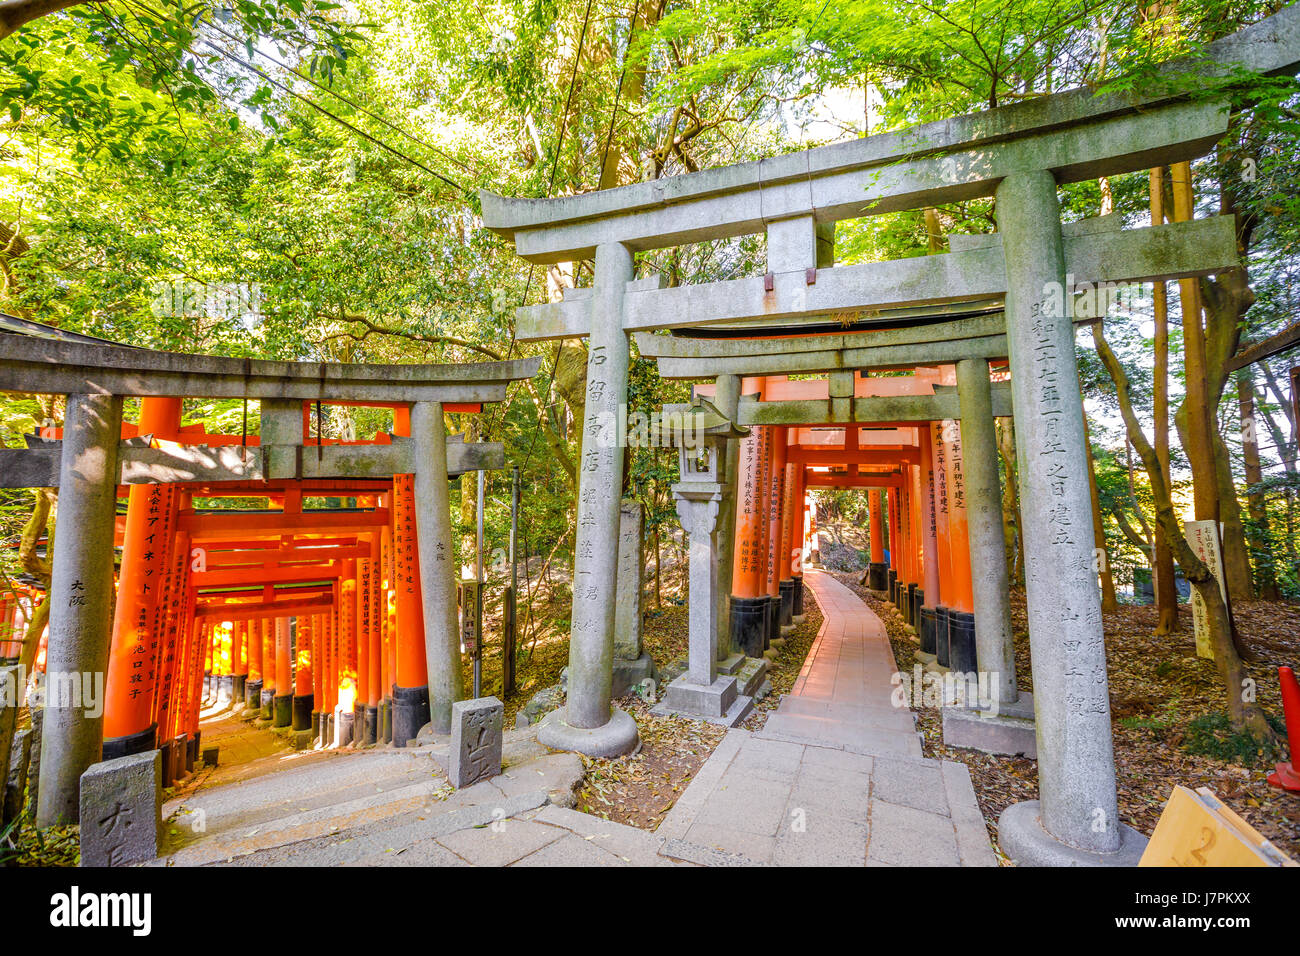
1287,775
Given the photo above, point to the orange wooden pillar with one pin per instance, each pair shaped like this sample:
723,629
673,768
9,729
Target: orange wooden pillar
779,526
943,534
134,664
877,570
410,683
239,660
961,606
348,628
361,610
317,672
269,675
369,653
388,629
375,686
283,701
930,546
891,541
303,699
748,595
253,686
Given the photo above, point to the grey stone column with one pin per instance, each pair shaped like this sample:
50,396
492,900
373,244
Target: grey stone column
698,514
81,601
727,401
588,723
437,563
1075,819
995,648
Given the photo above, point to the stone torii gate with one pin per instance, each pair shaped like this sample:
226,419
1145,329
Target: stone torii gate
91,461
1018,154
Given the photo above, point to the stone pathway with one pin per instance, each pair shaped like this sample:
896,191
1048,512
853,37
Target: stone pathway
836,776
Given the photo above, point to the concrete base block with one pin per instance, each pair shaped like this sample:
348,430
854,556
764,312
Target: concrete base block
977,730
924,659
629,673
1023,839
799,618
786,630
717,704
302,739
698,700
616,737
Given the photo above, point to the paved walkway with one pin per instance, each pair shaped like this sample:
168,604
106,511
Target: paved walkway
836,775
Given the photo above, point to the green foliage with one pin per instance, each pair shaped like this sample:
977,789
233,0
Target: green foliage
1212,735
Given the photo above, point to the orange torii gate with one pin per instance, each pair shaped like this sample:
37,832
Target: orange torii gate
152,645
912,468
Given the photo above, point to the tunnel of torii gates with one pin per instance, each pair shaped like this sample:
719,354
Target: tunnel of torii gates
1007,297
371,589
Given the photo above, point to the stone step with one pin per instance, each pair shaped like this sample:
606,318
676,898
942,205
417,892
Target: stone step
295,827
865,715
798,728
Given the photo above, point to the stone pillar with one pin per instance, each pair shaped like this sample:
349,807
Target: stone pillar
588,723
994,646
631,664
698,516
726,399
81,599
702,691
437,563
1075,819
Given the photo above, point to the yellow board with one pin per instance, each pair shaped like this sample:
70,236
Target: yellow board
1198,829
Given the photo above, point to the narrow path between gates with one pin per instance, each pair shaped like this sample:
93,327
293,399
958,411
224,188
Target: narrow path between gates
836,776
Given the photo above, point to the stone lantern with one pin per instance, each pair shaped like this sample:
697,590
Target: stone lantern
700,436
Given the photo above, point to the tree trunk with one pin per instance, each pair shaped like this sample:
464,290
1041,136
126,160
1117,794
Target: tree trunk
1256,505
1012,536
1162,563
1243,714
1108,600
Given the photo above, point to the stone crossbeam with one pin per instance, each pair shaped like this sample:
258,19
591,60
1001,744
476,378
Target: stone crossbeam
1095,253
39,467
870,180
893,410
45,366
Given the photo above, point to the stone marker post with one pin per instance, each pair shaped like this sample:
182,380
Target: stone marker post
475,752
588,723
437,563
1075,819
632,664
121,810
81,597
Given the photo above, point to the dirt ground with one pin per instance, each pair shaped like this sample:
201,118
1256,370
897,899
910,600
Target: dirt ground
640,789
1160,694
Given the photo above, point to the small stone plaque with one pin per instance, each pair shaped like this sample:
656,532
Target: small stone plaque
121,810
475,740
